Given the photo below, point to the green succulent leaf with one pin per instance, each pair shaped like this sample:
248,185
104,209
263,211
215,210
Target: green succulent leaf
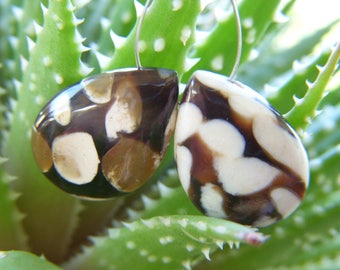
322,138
218,49
51,66
300,115
24,260
168,242
175,33
295,87
29,18
12,235
274,62
164,198
101,22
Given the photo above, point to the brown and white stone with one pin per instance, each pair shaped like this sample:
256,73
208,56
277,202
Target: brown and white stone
106,135
75,157
236,156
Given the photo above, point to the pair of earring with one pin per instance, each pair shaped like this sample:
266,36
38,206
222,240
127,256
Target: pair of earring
236,156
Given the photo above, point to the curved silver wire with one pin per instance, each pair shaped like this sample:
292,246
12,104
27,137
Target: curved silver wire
239,37
239,40
139,28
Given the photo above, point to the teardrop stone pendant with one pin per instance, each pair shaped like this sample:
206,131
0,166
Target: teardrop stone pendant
106,135
237,158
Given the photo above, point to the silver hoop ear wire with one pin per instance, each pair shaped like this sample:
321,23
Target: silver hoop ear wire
239,41
139,27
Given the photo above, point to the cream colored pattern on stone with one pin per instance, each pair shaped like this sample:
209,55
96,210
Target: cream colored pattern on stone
285,201
171,124
189,120
247,108
61,109
224,86
212,201
75,157
244,176
222,137
163,73
264,221
283,147
98,89
184,164
125,113
240,175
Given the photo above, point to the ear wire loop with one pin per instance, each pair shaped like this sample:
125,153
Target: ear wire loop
138,31
239,41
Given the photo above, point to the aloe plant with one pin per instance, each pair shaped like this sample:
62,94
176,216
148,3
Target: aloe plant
46,46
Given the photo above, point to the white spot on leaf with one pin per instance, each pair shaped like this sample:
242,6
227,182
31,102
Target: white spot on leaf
152,258
166,260
150,223
159,44
166,240
217,63
143,252
202,226
32,86
58,21
185,34
177,4
142,46
39,100
166,221
47,61
248,22
58,78
251,36
131,245
126,16
189,248
183,222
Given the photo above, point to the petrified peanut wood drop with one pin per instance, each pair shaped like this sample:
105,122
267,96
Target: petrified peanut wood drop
236,156
106,135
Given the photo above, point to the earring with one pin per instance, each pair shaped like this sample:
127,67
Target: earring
106,135
237,157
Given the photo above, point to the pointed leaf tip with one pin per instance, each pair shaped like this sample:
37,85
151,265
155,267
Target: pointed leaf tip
206,253
117,40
